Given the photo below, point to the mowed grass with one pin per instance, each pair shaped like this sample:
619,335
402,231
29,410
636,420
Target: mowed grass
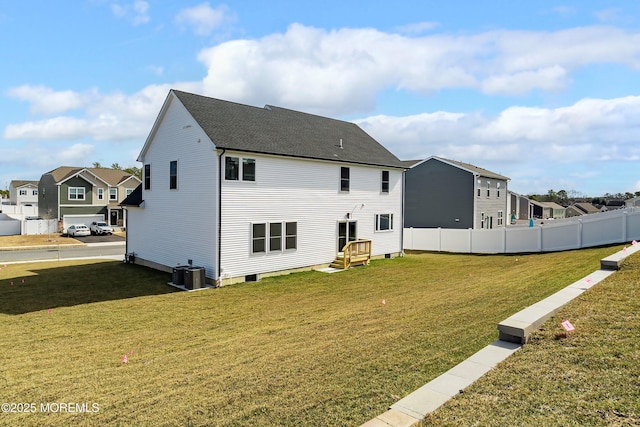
589,377
304,349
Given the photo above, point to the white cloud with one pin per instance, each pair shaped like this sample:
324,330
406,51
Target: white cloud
46,101
136,12
341,71
589,130
203,19
107,117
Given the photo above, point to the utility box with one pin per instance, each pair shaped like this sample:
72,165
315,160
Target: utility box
194,278
178,274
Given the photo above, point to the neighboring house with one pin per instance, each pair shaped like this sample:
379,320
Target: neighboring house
579,209
81,195
245,191
632,203
451,194
519,207
23,193
547,210
612,205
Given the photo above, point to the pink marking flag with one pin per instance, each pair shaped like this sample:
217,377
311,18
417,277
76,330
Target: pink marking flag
124,358
384,301
624,249
49,311
588,280
22,280
568,326
633,243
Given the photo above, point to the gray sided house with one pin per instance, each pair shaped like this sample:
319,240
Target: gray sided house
85,193
451,194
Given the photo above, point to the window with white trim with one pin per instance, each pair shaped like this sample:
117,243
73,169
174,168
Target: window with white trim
274,236
479,184
23,192
291,235
100,193
481,219
384,222
344,179
76,193
237,168
498,190
385,182
258,238
128,191
488,188
113,194
500,218
34,192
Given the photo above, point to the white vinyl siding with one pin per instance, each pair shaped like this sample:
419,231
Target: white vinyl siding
303,192
189,213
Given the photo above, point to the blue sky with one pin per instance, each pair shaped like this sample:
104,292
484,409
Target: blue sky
546,92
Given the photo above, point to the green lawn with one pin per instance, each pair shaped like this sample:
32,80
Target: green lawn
304,349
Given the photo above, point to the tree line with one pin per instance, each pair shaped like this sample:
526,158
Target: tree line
566,198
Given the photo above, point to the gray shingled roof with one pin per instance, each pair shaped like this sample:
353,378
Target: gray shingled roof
275,130
478,170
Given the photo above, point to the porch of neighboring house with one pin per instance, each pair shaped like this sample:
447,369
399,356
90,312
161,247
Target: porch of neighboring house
356,252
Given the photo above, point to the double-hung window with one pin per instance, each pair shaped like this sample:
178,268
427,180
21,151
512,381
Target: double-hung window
344,179
100,193
273,237
385,182
384,222
76,193
259,238
23,192
113,194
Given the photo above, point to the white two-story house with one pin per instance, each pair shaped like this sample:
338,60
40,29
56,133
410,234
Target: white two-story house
245,191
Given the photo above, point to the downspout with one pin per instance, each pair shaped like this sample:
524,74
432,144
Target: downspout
218,273
404,178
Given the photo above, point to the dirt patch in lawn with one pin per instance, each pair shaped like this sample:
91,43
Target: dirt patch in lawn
52,239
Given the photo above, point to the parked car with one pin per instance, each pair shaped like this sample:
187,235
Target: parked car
98,227
78,230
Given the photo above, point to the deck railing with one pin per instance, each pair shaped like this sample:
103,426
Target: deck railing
357,252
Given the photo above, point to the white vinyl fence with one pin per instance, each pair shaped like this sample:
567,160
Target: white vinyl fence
604,228
40,226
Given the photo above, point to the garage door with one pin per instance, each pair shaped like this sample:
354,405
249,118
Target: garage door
68,220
